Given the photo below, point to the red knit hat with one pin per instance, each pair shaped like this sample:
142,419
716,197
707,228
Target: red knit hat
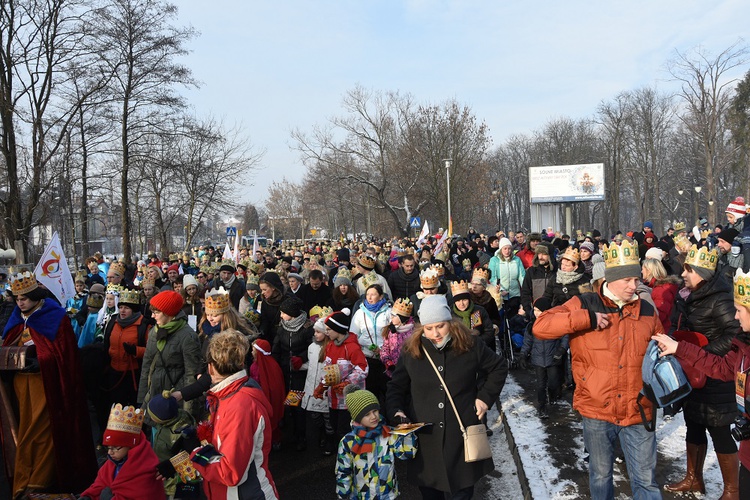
737,206
169,302
174,267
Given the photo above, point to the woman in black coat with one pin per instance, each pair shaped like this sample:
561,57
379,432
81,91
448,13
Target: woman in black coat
272,291
440,466
566,282
709,309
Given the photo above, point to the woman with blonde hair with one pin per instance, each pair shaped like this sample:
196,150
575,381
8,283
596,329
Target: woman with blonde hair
664,289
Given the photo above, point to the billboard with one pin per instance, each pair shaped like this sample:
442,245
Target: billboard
566,183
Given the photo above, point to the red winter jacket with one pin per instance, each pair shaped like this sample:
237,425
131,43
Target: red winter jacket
242,434
136,479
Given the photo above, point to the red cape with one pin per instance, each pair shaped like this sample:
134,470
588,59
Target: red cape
271,381
136,479
66,397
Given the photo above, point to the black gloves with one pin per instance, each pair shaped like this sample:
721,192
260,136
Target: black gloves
523,364
129,348
557,357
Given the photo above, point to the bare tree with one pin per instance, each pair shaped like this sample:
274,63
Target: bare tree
706,91
140,46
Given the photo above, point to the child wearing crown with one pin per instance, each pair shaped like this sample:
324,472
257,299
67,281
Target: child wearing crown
130,469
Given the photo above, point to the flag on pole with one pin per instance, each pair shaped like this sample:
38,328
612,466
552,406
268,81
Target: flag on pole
255,247
52,271
446,234
423,234
236,253
227,255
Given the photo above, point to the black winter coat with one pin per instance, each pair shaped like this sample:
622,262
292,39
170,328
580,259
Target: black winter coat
287,344
270,316
534,284
484,330
710,311
560,294
440,462
542,351
403,285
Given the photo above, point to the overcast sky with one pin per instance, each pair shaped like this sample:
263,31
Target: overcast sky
273,66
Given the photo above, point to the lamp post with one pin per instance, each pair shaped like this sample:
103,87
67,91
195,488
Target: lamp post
496,195
679,192
448,184
697,201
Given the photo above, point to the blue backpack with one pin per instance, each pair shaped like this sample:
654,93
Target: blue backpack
664,382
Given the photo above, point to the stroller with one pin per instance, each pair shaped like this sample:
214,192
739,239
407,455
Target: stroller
510,336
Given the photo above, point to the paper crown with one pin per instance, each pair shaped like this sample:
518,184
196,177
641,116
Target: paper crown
147,282
625,254
439,268
459,288
23,283
130,297
331,375
702,257
679,226
466,263
80,276
228,262
205,269
705,233
253,316
572,254
319,312
429,278
123,426
251,278
173,257
255,268
118,268
403,307
217,301
245,262
682,243
344,272
480,276
366,261
742,288
184,467
113,289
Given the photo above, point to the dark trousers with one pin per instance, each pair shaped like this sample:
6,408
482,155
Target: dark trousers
341,423
377,380
548,380
744,482
721,436
433,494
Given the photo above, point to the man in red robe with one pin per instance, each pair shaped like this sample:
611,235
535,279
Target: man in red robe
55,449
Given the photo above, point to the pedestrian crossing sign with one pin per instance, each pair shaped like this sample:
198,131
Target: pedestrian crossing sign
231,231
415,222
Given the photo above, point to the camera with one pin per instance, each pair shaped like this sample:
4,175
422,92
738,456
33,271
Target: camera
741,429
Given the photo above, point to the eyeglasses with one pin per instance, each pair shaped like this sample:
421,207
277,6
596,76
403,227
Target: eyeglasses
201,276
114,448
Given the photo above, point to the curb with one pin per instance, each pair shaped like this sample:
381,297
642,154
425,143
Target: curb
516,456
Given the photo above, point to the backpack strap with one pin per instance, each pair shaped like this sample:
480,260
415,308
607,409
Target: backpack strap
650,425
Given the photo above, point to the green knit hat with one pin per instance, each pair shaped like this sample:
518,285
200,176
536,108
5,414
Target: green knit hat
359,401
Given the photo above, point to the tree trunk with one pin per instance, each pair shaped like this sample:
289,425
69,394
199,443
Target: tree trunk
124,203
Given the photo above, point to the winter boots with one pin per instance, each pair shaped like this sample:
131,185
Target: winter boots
730,471
693,481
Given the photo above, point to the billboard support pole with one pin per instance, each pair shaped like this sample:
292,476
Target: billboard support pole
569,219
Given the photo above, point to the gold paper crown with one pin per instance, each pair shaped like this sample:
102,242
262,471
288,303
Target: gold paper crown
205,269
459,287
701,257
742,288
184,467
626,254
245,262
80,276
466,262
480,274
173,257
255,268
251,278
682,243
125,419
320,312
331,375
130,297
705,233
679,226
344,272
383,258
228,262
403,307
113,289
23,283
572,254
429,278
366,261
217,301
117,268
147,282
439,268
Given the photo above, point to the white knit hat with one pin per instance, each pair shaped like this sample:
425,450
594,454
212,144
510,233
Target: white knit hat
504,242
655,253
434,309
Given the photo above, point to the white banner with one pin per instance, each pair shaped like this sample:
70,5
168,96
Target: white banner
566,183
52,271
423,235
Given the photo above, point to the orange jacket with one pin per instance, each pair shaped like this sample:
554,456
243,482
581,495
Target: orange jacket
120,360
606,363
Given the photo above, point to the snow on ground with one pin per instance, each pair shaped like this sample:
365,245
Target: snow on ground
503,481
670,436
531,436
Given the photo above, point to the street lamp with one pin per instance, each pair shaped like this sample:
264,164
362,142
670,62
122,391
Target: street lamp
697,201
448,184
496,195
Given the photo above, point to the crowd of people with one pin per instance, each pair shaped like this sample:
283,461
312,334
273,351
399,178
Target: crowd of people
195,366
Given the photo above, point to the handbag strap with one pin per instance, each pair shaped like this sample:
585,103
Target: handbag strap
445,386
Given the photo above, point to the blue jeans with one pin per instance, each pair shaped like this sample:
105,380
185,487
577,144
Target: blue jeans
639,447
